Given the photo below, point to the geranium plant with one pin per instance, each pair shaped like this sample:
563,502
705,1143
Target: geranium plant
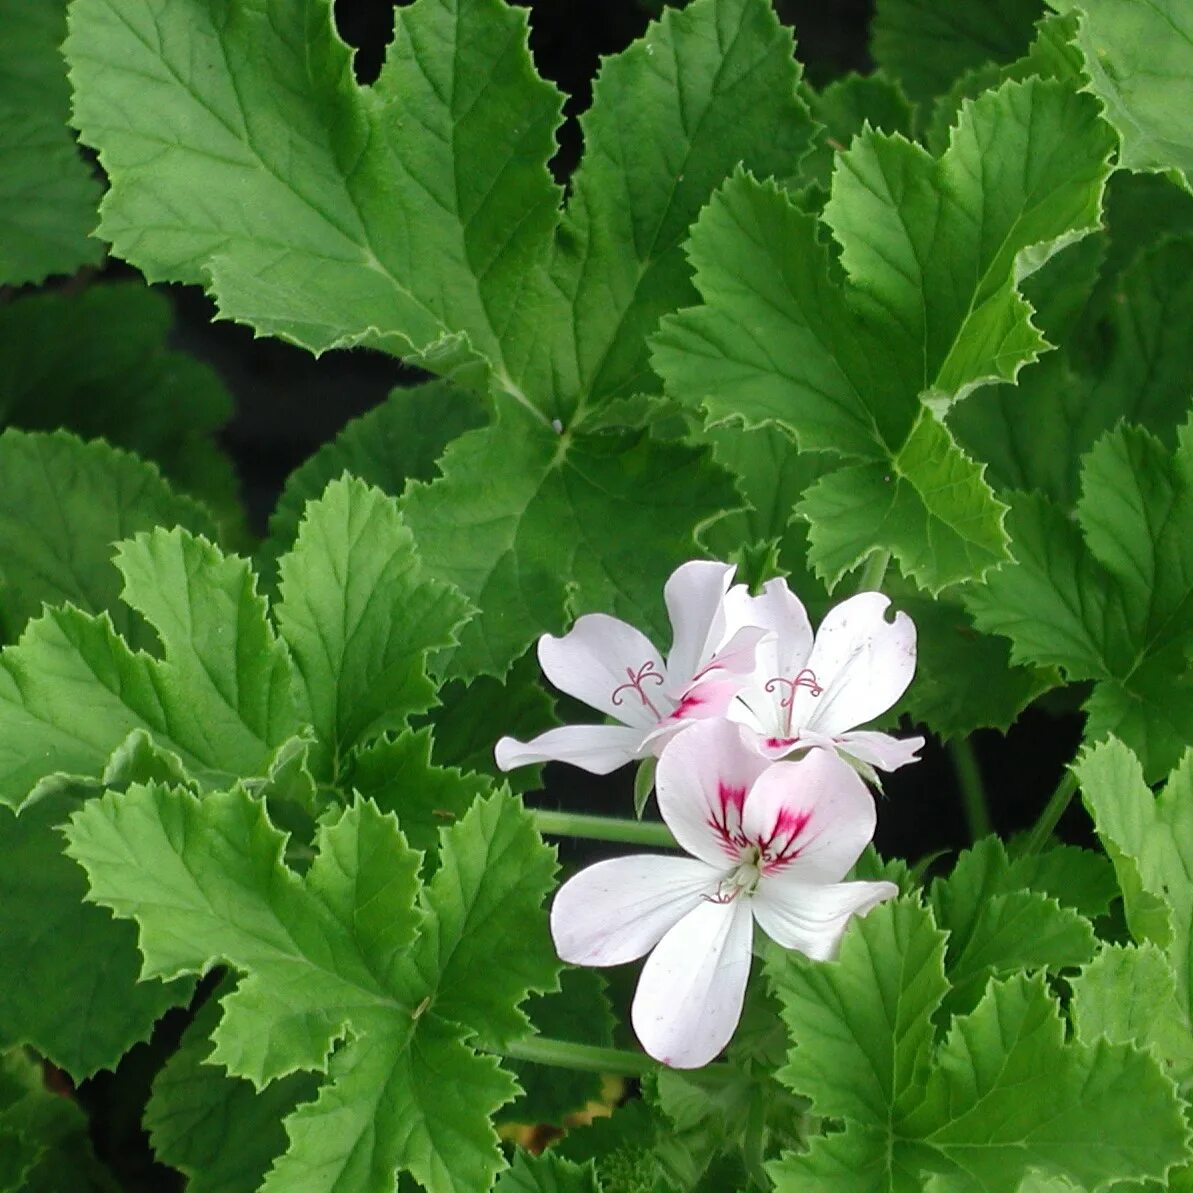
622,762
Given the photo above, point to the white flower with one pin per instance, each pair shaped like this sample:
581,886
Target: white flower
770,842
614,668
806,692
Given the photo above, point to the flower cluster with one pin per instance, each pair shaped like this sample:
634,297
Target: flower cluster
760,773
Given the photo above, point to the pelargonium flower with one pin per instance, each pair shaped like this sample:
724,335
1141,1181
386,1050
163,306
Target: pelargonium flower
808,691
770,843
614,668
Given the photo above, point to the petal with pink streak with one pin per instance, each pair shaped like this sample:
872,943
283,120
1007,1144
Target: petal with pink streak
813,817
880,749
610,666
598,749
690,994
702,779
618,910
813,919
861,662
694,594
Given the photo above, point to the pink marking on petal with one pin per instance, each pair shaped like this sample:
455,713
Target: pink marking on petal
780,847
725,819
780,743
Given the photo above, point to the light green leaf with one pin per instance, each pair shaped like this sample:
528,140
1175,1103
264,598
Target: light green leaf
360,616
949,653
849,370
1139,58
926,44
119,382
547,1173
1150,840
929,506
352,949
62,506
1079,878
1128,995
218,698
218,1130
1109,601
535,527
48,196
401,440
73,993
995,927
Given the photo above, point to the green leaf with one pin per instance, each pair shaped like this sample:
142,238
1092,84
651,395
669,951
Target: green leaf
398,775
351,970
929,506
547,1173
926,44
848,370
77,999
1139,58
47,194
1109,601
360,616
218,1130
401,440
62,506
119,382
1128,995
218,698
1150,840
562,524
1079,878
995,927
949,653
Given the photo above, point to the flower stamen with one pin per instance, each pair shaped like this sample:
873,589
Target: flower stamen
634,682
805,679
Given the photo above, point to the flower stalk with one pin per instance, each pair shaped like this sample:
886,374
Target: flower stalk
584,1058
604,828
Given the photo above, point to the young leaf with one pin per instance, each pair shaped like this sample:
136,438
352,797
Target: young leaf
547,1173
1110,601
77,999
926,44
47,194
119,382
1139,58
849,371
218,1130
353,970
1150,840
560,525
218,698
360,616
62,506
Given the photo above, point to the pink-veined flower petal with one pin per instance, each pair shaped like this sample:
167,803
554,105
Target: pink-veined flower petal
879,749
617,910
701,783
690,994
597,749
694,594
861,662
813,919
813,817
609,665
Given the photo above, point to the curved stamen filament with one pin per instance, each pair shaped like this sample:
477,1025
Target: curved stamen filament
634,682
805,679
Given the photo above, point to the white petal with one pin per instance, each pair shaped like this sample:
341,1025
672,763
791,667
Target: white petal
813,918
701,782
690,995
879,749
777,609
814,816
618,910
597,749
609,665
694,594
861,662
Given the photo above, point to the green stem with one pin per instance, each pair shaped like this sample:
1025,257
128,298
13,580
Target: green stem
1050,816
973,791
586,1058
874,571
604,828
